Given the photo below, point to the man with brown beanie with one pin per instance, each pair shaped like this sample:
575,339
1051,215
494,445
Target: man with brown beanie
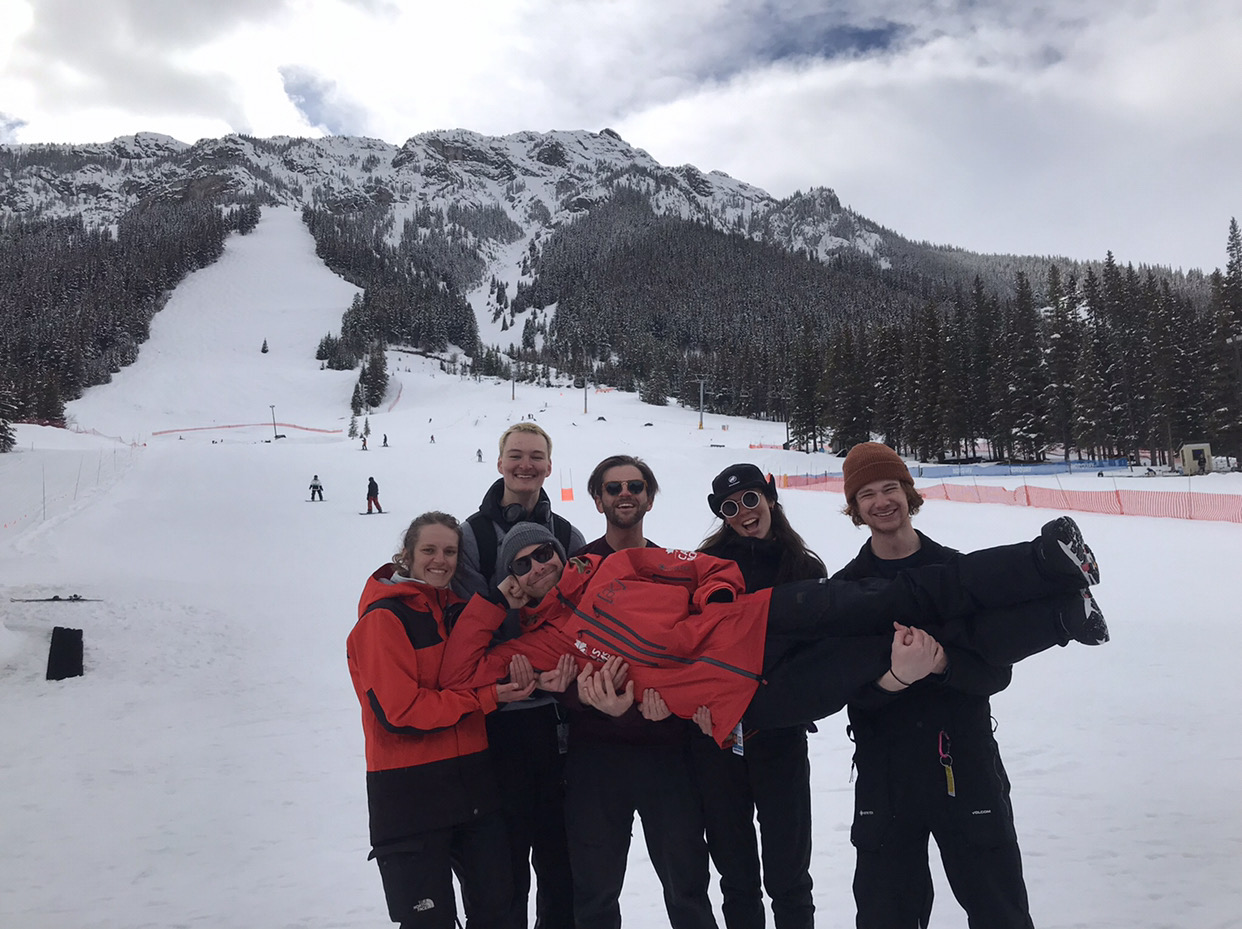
907,743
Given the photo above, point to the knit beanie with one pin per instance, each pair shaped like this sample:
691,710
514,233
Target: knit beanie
739,477
872,461
522,535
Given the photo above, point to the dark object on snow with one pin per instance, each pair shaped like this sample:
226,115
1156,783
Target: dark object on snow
264,348
64,658
55,598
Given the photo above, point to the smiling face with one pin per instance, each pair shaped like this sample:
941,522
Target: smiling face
751,522
524,463
623,510
541,577
433,557
883,506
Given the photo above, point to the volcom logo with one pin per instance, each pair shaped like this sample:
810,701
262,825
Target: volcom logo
980,812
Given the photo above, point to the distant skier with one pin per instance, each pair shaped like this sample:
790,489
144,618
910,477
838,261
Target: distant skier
373,495
479,455
433,440
364,443
316,489
385,445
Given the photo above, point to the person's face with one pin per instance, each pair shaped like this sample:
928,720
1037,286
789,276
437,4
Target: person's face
882,506
524,463
750,522
623,509
542,576
433,559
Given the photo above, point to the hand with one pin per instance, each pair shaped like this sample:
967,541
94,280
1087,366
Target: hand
596,689
653,708
703,719
521,671
556,680
914,654
511,589
510,693
616,668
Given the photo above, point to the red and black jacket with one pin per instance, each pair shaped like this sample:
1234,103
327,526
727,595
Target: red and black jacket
426,748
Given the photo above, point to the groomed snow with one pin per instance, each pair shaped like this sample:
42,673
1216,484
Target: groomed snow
207,769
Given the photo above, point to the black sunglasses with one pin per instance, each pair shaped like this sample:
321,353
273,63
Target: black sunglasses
613,488
519,567
729,508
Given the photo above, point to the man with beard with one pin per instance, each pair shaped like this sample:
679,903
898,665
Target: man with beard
632,763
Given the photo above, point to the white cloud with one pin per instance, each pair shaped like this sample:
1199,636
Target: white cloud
1069,127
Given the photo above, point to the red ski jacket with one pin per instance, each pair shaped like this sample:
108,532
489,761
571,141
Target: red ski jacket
655,608
426,747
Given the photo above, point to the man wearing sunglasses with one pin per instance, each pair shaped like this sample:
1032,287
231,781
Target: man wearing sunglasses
623,488
686,627
635,762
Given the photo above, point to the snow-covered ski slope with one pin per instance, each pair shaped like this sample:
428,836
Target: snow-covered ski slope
207,769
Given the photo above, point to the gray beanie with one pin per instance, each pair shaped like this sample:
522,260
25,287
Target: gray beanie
518,538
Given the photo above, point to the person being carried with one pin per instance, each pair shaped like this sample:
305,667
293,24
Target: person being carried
789,655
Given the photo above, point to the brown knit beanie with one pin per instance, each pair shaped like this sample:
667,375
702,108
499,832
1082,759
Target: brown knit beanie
872,461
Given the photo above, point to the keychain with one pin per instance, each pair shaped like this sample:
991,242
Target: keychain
946,759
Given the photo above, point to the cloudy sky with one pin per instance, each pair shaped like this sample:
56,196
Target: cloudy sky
1067,127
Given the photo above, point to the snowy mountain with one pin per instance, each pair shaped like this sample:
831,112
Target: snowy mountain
540,180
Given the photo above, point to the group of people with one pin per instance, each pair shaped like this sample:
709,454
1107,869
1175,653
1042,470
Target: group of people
524,694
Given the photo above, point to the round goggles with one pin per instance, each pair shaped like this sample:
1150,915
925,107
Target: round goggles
750,500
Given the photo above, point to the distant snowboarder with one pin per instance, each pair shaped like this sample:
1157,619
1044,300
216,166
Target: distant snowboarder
433,440
316,489
479,455
373,495
385,445
364,443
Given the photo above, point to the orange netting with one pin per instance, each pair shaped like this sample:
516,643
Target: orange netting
1116,502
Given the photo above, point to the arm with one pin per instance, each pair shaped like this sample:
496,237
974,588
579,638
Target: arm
970,674
470,659
387,669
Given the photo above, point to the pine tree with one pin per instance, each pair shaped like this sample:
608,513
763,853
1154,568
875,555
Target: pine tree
8,410
353,426
366,426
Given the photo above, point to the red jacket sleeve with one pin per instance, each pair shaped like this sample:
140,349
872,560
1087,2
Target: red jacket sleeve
388,673
470,659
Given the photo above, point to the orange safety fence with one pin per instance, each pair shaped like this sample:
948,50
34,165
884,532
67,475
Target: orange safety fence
1116,502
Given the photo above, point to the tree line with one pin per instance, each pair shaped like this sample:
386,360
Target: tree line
76,302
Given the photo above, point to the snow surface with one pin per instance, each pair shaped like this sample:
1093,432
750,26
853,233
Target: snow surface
208,768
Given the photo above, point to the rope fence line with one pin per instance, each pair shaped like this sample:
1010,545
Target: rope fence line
1116,502
250,426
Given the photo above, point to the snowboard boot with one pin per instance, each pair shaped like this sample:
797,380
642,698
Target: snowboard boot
1062,551
1084,622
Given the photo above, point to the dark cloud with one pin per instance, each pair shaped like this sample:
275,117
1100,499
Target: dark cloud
318,99
9,126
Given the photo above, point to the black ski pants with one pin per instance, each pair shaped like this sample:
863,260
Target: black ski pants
606,784
826,639
771,778
530,769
